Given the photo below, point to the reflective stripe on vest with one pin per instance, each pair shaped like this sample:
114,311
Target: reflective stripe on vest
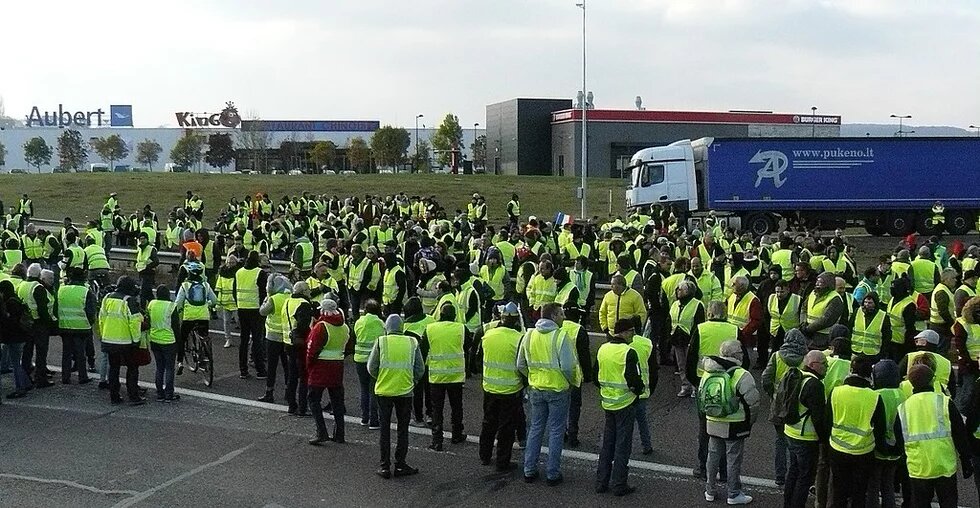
786,320
738,309
396,365
853,408
541,353
926,429
367,329
117,325
192,312
613,390
683,318
71,308
390,290
96,257
891,398
333,348
274,323
866,337
161,323
247,288
224,287
446,359
500,374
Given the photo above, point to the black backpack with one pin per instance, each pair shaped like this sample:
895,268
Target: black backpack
785,408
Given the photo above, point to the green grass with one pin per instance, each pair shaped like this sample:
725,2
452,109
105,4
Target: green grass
81,196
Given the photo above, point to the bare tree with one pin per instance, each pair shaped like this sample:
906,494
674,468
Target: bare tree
255,140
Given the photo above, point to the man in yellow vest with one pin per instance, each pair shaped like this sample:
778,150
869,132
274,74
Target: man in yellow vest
250,291
857,417
395,284
277,344
924,272
728,431
745,312
881,483
547,358
120,323
396,364
869,328
788,357
621,302
967,290
78,310
367,329
36,293
822,309
443,345
224,289
686,313
502,389
942,307
301,260
146,266
706,340
297,316
514,211
930,430
810,431
620,384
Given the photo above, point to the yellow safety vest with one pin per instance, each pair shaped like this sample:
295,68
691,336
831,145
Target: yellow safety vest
927,431
923,276
117,325
463,307
337,337
891,398
803,429
500,374
495,280
895,310
972,337
684,318
867,336
644,349
96,257
224,287
789,318
853,408
710,336
446,359
541,353
613,390
738,309
815,308
390,290
161,323
274,322
396,366
247,288
367,329
71,307
934,316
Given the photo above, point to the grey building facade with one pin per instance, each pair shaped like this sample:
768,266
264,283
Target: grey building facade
519,136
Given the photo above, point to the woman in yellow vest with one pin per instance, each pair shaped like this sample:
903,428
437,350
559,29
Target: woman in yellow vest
278,345
224,290
325,349
164,320
869,328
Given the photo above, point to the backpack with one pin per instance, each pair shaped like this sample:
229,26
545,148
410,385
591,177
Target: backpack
785,408
196,294
716,395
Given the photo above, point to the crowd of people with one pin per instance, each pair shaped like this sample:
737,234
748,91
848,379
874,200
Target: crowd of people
870,372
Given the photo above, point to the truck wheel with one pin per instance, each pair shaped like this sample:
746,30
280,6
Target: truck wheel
875,226
760,224
960,223
899,224
925,227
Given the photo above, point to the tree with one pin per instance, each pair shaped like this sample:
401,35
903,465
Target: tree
3,155
255,140
220,151
358,153
110,149
148,152
37,153
323,154
389,145
186,153
448,138
479,150
71,152
420,157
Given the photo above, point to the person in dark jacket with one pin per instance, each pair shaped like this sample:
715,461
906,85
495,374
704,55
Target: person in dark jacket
296,361
572,315
803,453
767,287
37,290
324,371
971,412
13,335
789,356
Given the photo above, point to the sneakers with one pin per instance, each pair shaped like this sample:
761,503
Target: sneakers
709,496
267,398
740,499
686,391
227,343
260,375
374,426
180,368
384,472
319,439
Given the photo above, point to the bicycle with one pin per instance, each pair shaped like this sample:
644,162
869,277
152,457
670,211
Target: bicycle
200,355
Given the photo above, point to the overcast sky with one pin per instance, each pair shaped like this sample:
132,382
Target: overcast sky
389,60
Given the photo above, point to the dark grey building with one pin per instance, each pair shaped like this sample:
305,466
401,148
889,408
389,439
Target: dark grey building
519,136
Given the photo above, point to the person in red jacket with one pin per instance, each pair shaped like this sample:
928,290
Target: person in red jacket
326,347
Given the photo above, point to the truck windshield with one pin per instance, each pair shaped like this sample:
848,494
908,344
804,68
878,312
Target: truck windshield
649,174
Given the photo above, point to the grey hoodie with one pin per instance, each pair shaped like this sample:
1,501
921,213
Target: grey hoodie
566,352
748,396
277,284
792,352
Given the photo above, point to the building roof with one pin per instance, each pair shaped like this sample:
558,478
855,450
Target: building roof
712,117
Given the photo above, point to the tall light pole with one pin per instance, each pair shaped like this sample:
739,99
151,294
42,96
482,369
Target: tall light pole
417,155
473,151
901,118
977,127
813,121
585,91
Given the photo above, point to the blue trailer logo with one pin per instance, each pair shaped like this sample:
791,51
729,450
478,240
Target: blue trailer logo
774,164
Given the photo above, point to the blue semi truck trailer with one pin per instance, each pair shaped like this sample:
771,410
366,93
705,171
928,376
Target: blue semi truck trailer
886,185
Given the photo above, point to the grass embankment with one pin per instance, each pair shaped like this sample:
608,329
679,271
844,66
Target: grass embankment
81,196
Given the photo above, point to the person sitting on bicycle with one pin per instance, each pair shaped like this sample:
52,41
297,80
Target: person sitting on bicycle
195,299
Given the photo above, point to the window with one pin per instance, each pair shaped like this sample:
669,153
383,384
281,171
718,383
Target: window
651,174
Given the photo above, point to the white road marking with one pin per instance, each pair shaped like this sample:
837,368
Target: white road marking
141,496
68,483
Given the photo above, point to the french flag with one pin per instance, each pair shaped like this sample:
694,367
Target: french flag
561,219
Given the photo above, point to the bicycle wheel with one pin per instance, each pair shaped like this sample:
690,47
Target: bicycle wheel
207,362
193,347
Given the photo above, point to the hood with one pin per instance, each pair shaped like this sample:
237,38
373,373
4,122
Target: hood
278,284
336,318
545,325
886,374
718,363
794,348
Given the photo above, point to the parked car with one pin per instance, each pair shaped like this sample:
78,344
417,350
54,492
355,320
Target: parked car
98,167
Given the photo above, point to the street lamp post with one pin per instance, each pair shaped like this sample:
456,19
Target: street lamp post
585,91
473,154
417,153
977,127
813,121
901,118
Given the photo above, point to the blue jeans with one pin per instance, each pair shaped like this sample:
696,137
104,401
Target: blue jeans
803,456
643,426
369,405
164,358
548,410
16,350
781,454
